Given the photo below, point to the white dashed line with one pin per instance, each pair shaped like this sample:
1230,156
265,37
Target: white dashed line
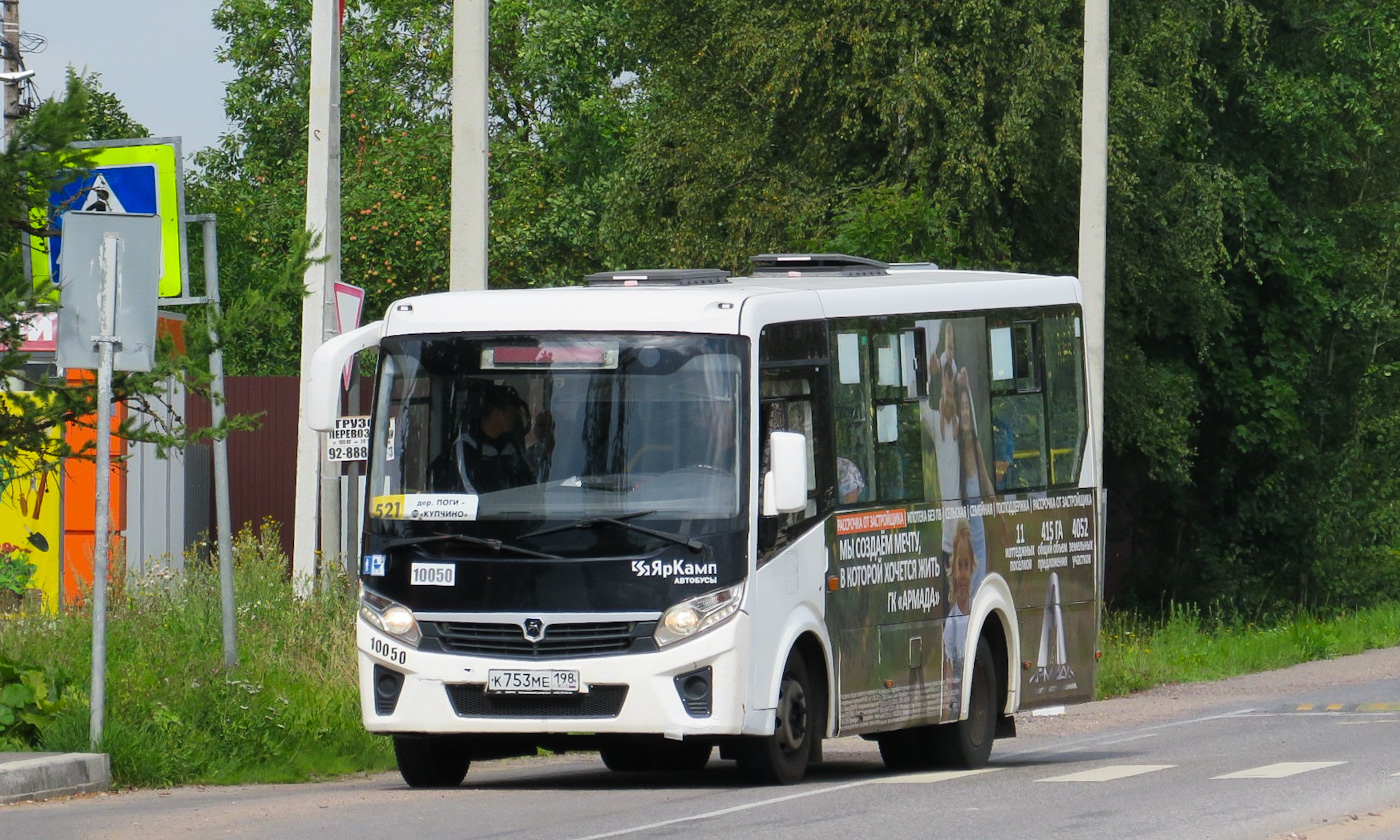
1281,770
1110,773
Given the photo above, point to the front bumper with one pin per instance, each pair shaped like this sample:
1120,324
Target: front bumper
629,693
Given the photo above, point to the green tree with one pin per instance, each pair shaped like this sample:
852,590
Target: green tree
105,116
556,119
39,159
1251,333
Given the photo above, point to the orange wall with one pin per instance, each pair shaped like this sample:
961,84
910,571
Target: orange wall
79,497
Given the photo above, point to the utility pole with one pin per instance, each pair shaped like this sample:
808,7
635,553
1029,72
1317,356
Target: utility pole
470,216
11,68
318,321
1093,208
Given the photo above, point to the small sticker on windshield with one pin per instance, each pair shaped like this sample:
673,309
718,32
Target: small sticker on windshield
372,565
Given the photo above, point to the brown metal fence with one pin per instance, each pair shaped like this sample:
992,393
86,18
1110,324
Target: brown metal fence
261,463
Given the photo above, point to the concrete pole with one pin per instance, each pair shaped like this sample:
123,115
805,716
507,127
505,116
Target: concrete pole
9,111
470,214
217,414
101,549
317,311
1093,209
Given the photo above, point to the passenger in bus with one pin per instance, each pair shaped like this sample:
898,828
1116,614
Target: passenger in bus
849,480
489,454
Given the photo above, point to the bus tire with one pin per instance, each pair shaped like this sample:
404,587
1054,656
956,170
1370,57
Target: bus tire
967,744
781,758
431,761
903,750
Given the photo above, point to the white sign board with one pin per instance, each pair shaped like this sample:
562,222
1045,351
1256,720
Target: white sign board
349,440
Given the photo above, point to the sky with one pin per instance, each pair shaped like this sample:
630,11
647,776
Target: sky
156,56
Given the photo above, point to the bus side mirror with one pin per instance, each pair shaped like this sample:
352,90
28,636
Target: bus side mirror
323,384
785,485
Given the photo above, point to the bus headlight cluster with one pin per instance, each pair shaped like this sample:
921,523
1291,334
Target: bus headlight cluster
389,616
697,615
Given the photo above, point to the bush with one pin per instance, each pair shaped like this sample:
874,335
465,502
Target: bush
31,698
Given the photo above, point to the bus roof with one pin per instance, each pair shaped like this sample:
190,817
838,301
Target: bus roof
726,307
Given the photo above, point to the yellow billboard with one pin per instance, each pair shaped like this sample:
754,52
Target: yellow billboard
31,504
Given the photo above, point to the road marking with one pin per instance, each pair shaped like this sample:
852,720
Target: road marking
1109,773
637,829
1280,770
934,776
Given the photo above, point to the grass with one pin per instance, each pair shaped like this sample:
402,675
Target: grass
290,710
174,715
1187,646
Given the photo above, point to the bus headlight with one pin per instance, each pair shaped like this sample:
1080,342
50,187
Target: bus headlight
697,615
389,616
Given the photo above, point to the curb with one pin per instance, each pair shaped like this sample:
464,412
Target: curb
35,776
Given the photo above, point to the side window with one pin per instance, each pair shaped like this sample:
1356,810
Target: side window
853,418
898,359
1018,405
792,398
1064,397
956,427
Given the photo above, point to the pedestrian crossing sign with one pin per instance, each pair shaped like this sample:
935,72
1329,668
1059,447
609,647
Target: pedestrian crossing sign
126,177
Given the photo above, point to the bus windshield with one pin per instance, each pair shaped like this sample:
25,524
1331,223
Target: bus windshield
477,429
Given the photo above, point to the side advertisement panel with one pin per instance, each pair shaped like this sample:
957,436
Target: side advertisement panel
900,605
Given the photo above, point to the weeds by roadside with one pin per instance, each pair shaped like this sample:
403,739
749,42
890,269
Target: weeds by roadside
174,715
1189,646
290,710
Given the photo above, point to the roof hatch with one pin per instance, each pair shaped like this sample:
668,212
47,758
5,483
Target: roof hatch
660,277
815,265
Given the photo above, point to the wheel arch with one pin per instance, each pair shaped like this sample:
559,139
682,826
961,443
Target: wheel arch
994,618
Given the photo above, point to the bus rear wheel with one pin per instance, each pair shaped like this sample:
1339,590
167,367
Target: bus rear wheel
781,758
430,761
967,744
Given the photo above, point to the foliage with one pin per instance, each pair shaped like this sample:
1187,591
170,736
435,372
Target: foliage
31,699
39,160
105,116
15,569
1252,229
1190,644
556,125
175,715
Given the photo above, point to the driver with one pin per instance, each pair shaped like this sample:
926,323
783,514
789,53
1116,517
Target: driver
490,454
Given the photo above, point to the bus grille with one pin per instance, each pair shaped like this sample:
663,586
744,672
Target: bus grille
601,701
560,640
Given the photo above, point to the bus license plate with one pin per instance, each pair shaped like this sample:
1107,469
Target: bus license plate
532,682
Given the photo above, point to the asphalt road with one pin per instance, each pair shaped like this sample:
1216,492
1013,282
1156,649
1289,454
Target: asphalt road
1307,752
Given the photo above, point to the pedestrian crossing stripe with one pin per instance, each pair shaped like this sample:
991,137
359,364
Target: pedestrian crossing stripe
1280,770
934,776
1109,773
1348,707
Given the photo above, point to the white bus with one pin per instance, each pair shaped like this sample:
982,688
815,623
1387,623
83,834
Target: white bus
677,510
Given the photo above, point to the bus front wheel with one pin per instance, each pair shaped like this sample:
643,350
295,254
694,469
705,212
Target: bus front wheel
967,744
781,758
429,761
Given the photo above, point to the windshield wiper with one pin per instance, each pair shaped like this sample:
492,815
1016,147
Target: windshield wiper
494,545
621,522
